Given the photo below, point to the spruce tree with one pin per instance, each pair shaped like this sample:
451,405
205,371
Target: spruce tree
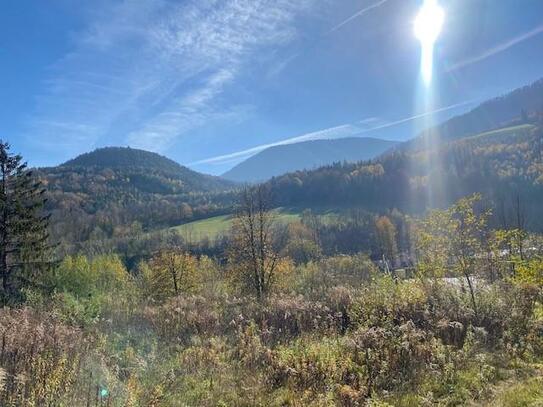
23,227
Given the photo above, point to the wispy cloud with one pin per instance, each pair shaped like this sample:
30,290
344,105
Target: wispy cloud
497,49
279,66
360,128
148,72
356,15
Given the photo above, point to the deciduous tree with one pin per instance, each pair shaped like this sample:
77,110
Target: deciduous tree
453,242
386,238
170,272
252,256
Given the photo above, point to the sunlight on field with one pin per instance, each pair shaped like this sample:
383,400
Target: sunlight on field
506,131
212,228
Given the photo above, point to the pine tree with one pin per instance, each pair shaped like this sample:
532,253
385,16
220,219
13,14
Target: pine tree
23,227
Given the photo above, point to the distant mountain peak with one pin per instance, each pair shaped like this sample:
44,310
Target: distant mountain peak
133,160
124,157
281,159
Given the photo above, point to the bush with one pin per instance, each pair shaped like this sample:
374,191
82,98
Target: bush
386,302
315,278
315,367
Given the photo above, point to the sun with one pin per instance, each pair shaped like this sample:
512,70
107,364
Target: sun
428,25
429,22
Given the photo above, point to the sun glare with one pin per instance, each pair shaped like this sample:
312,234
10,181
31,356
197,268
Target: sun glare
428,24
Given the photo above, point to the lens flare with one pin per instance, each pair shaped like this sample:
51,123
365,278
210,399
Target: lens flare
428,24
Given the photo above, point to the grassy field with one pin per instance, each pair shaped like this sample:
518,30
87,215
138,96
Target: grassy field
504,131
211,228
208,228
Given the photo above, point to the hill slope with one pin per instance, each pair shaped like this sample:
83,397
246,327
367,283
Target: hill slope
126,158
495,149
499,164
515,108
281,159
117,191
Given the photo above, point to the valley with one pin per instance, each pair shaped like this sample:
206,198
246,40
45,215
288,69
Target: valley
332,283
253,203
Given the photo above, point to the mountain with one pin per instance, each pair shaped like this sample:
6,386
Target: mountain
514,108
495,149
281,159
126,158
114,191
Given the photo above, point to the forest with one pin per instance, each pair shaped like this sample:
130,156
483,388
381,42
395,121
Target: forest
116,192
502,165
126,201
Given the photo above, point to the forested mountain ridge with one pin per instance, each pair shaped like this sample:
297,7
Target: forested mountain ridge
286,158
515,107
501,164
131,158
116,191
494,149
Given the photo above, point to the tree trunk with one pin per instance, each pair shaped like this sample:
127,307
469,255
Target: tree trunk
4,238
4,273
472,294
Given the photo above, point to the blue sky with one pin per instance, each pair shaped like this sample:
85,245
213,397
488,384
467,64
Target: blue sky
209,82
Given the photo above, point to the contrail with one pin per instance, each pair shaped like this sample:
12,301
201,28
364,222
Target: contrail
337,27
497,49
342,131
358,14
333,132
419,116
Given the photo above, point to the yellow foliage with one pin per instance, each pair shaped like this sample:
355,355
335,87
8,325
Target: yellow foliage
529,272
169,273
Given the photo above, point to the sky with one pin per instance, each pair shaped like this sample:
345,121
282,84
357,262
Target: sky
210,82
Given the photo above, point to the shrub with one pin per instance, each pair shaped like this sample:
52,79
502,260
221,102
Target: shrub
385,303
392,357
315,278
314,365
39,358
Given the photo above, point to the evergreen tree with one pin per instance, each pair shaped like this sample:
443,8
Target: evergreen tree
23,227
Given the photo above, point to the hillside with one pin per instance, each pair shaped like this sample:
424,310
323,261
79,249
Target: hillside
126,158
500,164
117,191
515,108
494,149
281,159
